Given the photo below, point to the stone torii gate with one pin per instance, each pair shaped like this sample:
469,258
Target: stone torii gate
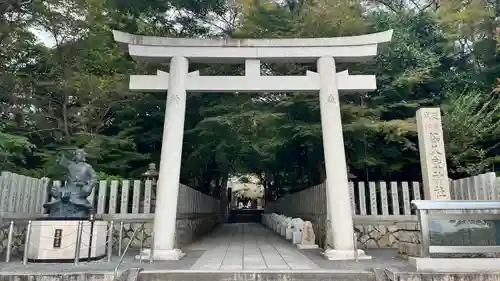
324,51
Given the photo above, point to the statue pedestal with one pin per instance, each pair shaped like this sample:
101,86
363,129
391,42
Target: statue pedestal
54,240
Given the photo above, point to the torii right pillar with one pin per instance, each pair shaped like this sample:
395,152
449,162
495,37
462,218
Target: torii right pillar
337,185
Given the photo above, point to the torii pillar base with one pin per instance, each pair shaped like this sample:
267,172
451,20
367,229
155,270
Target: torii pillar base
335,255
164,255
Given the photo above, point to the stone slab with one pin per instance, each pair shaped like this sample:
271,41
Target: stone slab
307,247
249,247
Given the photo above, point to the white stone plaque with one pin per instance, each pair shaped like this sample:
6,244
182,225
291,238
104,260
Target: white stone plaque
55,240
432,154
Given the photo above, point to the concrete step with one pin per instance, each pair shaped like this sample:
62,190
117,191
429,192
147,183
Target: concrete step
257,276
396,275
131,274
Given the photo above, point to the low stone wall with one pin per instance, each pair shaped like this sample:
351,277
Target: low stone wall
197,214
403,233
188,229
18,237
409,242
372,231
385,231
383,221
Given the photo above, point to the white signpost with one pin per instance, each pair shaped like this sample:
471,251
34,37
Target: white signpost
324,51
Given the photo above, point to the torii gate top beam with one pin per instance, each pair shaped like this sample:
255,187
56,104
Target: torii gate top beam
343,49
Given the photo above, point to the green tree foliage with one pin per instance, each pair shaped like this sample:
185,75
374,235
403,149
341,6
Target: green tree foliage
73,92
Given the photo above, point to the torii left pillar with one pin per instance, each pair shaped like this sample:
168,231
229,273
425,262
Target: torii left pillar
167,193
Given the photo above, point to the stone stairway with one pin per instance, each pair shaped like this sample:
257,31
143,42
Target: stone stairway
131,274
258,276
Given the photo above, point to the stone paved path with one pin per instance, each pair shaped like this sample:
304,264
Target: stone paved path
248,247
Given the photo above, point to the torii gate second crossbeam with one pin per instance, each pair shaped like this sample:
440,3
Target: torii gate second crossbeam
253,82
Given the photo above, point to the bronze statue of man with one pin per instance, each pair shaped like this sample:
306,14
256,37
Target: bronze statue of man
71,199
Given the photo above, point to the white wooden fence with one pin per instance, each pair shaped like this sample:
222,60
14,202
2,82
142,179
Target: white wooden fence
136,197
387,199
21,194
481,187
26,195
123,197
372,198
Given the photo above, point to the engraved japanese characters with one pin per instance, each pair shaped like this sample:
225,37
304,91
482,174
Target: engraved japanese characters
432,154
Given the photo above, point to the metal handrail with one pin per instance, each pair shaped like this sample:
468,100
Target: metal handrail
125,251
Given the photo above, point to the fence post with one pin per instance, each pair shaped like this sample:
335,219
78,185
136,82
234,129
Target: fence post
142,243
78,243
9,241
27,243
110,240
120,237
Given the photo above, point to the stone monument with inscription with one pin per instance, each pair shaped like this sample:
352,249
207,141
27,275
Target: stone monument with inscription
69,230
432,154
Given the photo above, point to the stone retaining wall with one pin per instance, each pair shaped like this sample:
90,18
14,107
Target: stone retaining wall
386,234
409,243
188,228
17,239
383,221
403,233
399,232
197,214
